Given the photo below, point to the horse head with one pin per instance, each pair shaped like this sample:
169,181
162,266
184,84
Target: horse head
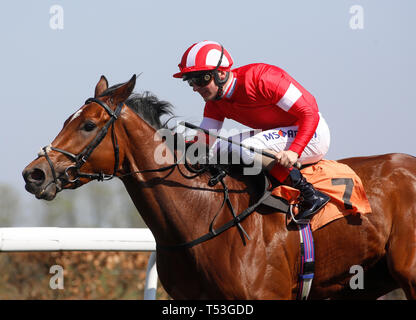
70,161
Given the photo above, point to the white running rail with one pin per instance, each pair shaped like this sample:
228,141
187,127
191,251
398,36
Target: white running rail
85,239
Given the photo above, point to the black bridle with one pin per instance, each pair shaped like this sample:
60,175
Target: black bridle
83,156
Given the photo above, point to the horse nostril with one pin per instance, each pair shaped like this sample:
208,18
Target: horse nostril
36,176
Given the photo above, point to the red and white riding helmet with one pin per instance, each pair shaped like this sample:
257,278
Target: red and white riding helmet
202,56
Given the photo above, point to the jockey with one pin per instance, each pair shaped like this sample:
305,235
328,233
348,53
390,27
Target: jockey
264,97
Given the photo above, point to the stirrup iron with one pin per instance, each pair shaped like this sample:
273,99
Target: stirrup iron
297,221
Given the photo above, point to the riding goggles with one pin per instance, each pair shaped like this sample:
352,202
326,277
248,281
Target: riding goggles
201,79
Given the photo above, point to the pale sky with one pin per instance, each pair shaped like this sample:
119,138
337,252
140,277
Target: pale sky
363,79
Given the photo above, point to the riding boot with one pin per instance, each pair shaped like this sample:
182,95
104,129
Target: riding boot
312,200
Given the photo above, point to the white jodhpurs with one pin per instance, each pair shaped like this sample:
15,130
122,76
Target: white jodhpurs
278,139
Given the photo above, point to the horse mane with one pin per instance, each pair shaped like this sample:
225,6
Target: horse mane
150,108
147,106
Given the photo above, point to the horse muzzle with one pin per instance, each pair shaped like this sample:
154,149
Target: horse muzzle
40,182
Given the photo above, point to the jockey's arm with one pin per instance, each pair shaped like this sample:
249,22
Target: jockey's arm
307,123
308,119
285,93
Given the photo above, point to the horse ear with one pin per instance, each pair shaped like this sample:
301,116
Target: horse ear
101,86
121,93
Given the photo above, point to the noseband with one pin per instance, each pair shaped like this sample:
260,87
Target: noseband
83,156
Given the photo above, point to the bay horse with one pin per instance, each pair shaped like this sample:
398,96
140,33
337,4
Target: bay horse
114,135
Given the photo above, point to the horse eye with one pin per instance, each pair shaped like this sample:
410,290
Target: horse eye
89,126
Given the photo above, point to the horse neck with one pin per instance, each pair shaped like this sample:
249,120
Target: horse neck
166,200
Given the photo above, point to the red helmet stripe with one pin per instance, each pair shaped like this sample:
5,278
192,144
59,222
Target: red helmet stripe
203,55
196,51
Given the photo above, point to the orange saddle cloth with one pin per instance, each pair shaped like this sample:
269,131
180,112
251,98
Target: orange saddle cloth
338,181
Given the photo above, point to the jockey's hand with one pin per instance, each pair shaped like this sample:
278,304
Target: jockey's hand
286,158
